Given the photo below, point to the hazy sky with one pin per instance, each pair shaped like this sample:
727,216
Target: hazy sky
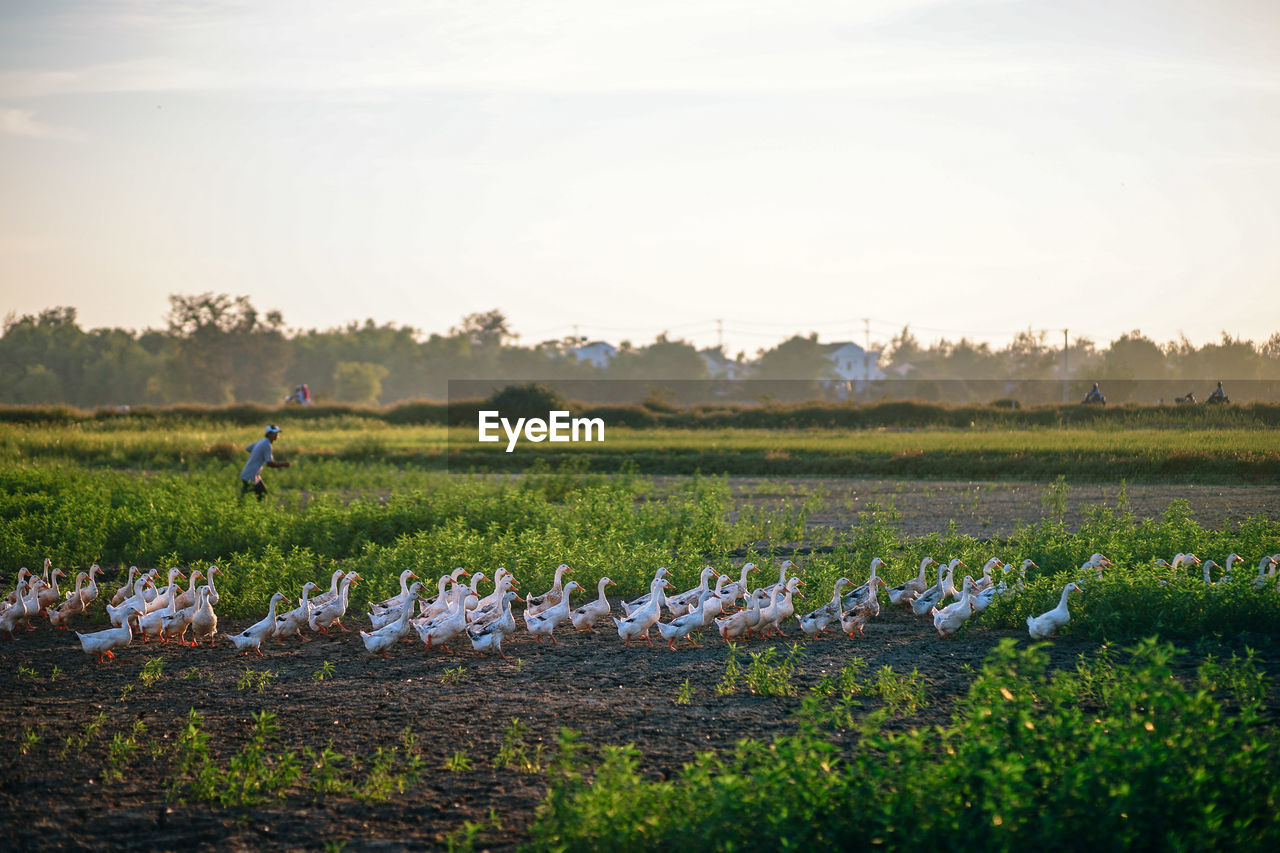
966,167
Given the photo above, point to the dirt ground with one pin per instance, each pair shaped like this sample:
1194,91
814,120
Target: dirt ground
612,694
988,509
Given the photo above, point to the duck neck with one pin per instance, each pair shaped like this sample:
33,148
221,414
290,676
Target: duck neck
1062,602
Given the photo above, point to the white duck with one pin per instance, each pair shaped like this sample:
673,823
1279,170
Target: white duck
151,623
739,624
330,594
739,589
537,603
1020,582
50,595
24,574
1045,625
102,643
175,627
393,603
137,601
1266,569
171,590
473,596
629,607
16,614
125,591
439,603
678,605
714,605
982,600
73,606
640,620
923,603
377,642
325,616
781,608
204,622
900,596
856,618
89,594
816,621
291,623
250,639
860,593
951,618
683,626
503,581
440,630
214,598
544,622
188,598
586,616
429,608
488,637
988,578
489,608
1098,563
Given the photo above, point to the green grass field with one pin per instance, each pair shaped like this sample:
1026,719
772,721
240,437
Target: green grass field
1237,455
1167,756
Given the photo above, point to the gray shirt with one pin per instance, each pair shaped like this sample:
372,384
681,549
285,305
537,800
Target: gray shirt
259,455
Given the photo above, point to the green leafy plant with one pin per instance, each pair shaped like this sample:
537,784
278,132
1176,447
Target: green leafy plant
256,680
452,676
684,693
252,776
151,670
30,737
515,751
1170,765
324,673
325,778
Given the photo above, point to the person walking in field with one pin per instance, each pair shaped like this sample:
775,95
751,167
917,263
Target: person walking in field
259,457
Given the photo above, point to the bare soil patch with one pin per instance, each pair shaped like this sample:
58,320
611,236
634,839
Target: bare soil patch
592,683
994,508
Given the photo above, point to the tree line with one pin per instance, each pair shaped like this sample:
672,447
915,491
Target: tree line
218,349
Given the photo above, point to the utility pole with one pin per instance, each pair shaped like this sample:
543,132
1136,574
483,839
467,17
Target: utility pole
1066,365
576,339
720,335
867,349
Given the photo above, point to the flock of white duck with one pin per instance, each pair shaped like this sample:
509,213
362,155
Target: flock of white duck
458,609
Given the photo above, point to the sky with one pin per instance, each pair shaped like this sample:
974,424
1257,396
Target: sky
966,168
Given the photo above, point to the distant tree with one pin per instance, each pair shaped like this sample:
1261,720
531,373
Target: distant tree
358,382
905,352
224,350
662,359
487,330
1133,356
795,367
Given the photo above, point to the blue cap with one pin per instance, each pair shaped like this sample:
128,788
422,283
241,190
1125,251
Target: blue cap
272,429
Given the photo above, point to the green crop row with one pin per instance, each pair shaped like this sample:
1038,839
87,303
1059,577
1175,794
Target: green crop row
1110,756
1148,455
379,521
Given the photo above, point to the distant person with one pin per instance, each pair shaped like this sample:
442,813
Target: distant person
1218,395
1094,395
259,457
301,395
